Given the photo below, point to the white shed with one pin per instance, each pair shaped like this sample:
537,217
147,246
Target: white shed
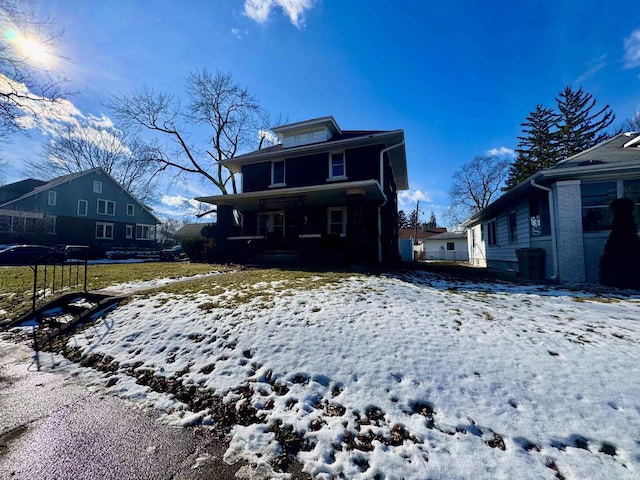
447,246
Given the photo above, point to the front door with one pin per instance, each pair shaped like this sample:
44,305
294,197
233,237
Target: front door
271,224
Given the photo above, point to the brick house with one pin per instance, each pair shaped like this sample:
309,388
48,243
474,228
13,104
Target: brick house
324,195
559,217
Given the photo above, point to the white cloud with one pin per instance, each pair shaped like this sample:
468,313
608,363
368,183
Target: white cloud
501,152
593,66
407,199
259,10
632,50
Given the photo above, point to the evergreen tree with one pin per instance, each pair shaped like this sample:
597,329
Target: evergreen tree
432,223
537,147
549,136
414,219
403,221
620,263
579,128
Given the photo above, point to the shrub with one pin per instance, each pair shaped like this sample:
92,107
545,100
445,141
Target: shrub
620,263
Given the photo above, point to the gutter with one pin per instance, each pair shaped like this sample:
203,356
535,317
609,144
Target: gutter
552,220
382,152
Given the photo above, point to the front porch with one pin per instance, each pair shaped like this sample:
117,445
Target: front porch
341,224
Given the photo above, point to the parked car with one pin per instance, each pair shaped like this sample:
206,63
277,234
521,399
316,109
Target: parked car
30,255
173,254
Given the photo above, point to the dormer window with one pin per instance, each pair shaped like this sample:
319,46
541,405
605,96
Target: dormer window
277,174
337,166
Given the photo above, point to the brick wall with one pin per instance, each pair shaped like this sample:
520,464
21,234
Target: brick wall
571,265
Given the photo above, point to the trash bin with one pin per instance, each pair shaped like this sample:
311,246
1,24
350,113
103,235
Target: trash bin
531,263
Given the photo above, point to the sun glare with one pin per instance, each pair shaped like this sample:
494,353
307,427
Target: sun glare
33,49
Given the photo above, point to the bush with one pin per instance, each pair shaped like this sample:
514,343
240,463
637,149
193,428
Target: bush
192,248
620,263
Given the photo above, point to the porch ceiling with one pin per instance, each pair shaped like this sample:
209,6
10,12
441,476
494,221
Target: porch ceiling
314,195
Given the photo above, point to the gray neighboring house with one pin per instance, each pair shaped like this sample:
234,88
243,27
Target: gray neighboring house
86,208
560,215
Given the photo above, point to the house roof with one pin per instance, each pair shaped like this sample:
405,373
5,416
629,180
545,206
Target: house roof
420,233
342,140
448,236
329,194
615,157
42,186
328,122
191,230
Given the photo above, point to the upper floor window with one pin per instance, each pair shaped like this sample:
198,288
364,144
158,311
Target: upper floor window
97,186
52,197
130,209
83,207
106,207
596,198
337,166
277,173
492,234
539,218
337,220
513,226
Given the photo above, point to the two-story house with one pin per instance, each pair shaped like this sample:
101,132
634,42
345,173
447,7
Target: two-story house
86,208
324,195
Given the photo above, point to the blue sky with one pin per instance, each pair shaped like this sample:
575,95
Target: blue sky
459,77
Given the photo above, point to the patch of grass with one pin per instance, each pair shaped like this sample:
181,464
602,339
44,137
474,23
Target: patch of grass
16,283
596,299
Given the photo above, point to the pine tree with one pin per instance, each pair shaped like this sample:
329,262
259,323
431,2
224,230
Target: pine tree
578,128
549,136
432,223
403,221
537,147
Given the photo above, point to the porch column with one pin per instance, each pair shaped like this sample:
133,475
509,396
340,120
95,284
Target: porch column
224,229
356,226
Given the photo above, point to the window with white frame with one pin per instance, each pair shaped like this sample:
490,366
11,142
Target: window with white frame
271,223
539,216
631,189
130,209
513,226
337,166
97,186
596,198
129,231
145,232
104,231
50,224
83,207
337,220
492,234
52,197
277,173
106,207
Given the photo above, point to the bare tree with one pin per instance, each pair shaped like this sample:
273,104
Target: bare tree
28,88
234,120
82,145
475,185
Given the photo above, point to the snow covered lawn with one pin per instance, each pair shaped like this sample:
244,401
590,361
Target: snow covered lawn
400,376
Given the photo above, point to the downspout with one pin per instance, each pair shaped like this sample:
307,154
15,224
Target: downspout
552,220
382,152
